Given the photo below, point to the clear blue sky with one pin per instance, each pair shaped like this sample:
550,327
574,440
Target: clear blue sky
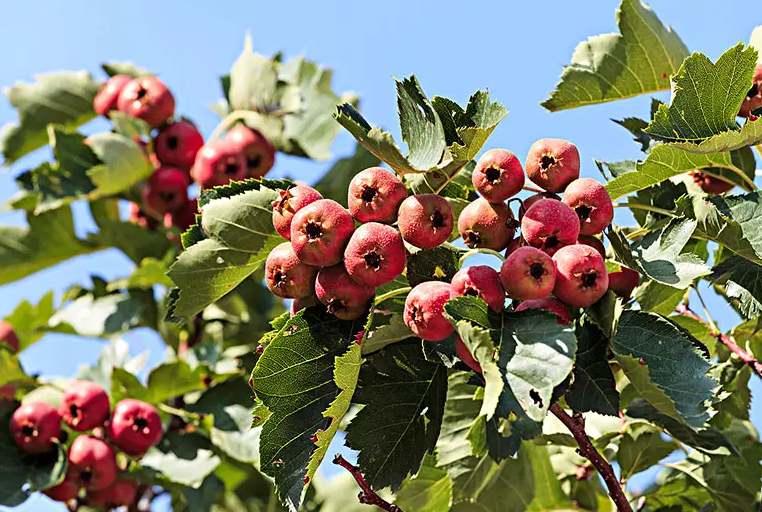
514,49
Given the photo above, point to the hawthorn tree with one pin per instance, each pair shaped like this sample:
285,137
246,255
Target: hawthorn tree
543,382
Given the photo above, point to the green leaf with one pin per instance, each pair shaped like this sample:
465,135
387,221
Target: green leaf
593,388
253,79
612,66
136,242
335,182
185,459
385,330
63,98
30,322
659,298
743,281
672,375
479,343
640,448
130,127
124,163
745,211
404,397
10,367
428,491
150,272
124,68
208,494
635,126
101,316
438,264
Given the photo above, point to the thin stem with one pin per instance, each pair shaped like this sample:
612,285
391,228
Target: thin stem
482,250
367,496
227,122
637,233
645,207
710,320
576,425
393,293
533,189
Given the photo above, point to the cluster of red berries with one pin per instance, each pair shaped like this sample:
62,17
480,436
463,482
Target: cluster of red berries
132,428
179,154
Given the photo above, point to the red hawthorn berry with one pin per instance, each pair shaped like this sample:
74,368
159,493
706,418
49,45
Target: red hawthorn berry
461,350
424,311
480,281
488,225
425,220
147,98
581,277
9,336
375,255
286,276
344,298
135,427
291,201
121,493
375,195
217,163
550,304
92,463
166,190
177,144
84,406
320,231
552,164
592,203
35,427
106,99
259,153
528,273
498,175
549,225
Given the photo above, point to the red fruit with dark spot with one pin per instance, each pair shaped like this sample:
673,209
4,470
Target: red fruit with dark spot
84,406
513,245
92,463
480,281
303,303
147,98
182,218
528,273
424,311
488,225
375,255
529,201
425,220
550,304
343,297
217,163
142,218
286,276
135,427
34,427
106,99
9,336
710,184
259,153
498,175
291,201
177,144
166,190
581,277
550,225
592,203
753,99
461,350
375,195
624,282
593,242
121,493
320,232
552,164
63,492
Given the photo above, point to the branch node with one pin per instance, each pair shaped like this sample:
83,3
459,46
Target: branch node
367,496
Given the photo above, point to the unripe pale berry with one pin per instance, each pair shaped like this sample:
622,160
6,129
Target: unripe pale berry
487,225
166,190
529,201
291,201
461,350
84,406
480,281
320,232
218,163
424,311
135,427
177,144
425,220
34,427
92,463
550,304
147,98
550,225
286,276
624,282
259,153
592,203
121,493
591,241
106,99
375,195
710,184
581,277
552,164
343,297
375,255
9,336
528,273
498,175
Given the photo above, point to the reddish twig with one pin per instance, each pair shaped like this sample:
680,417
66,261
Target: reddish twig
576,425
367,496
742,354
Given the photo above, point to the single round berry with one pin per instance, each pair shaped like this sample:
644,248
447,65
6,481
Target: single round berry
581,277
106,99
217,163
498,175
320,232
529,201
710,184
182,218
592,203
528,273
147,98
177,144
142,218
287,276
550,304
753,99
35,427
375,255
425,220
303,303
259,153
291,201
461,350
591,241
121,493
480,281
135,427
8,336
92,463
424,311
552,164
166,190
624,282
375,195
84,406
488,225
550,225
344,298
63,492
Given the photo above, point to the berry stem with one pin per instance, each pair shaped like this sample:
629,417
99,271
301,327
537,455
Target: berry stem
533,189
576,425
393,293
368,496
648,208
481,250
228,122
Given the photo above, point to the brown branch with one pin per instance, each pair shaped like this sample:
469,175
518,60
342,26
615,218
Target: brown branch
736,349
576,425
367,496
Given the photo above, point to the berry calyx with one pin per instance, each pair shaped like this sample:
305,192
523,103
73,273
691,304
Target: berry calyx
177,144
528,273
135,427
166,190
217,163
375,255
320,232
461,350
592,204
84,406
624,282
425,220
286,276
488,225
291,201
424,311
710,184
344,298
550,304
552,164
498,175
581,277
550,225
480,281
121,493
375,195
35,427
92,463
147,98
9,336
259,153
107,98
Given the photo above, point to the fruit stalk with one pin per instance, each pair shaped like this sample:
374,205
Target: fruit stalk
576,425
368,496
